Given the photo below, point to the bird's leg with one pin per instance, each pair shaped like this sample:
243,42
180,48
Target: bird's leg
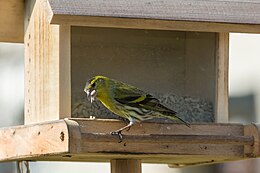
128,128
119,131
127,122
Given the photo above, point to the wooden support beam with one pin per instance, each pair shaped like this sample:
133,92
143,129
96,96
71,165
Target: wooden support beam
47,65
90,140
126,166
64,71
222,59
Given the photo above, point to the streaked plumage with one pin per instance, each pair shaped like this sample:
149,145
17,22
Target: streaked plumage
127,101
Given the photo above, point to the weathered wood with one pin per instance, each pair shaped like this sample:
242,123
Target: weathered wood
41,65
47,82
11,21
253,130
89,140
106,126
126,166
228,11
64,72
222,59
178,139
33,140
178,160
86,145
133,23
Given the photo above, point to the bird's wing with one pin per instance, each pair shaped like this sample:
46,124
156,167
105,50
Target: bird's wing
135,97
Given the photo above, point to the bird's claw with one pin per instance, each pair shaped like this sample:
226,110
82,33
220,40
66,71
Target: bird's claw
128,128
120,136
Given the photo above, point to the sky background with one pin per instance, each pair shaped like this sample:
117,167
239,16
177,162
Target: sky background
244,67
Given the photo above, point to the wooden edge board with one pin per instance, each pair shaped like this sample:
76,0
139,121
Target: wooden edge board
221,72
34,140
181,160
83,140
108,125
134,23
91,139
254,130
178,139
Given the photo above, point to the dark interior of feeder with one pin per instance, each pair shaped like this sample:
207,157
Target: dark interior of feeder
177,67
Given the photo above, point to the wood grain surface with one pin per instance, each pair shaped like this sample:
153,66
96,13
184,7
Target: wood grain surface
90,140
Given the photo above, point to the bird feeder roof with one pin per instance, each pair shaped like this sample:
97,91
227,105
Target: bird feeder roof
245,14
224,11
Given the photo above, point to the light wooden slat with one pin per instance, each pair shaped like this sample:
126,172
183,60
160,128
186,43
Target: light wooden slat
222,59
47,79
33,140
11,21
246,12
133,23
64,72
41,65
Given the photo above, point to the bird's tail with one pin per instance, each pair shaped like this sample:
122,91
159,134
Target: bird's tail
173,115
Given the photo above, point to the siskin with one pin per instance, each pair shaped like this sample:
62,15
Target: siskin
127,101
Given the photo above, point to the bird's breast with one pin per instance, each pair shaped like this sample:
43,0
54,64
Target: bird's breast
107,101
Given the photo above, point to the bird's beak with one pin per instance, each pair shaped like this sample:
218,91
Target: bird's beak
91,94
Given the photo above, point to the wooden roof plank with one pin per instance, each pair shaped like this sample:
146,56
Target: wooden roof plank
227,11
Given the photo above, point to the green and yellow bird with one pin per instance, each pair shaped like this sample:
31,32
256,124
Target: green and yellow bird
127,101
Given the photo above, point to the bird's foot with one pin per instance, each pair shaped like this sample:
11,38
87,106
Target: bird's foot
128,128
119,133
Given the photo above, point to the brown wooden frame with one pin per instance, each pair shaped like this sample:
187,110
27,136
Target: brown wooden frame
81,140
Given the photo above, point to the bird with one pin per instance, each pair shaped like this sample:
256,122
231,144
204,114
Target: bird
127,101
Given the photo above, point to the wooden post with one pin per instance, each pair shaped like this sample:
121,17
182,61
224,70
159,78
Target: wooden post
222,51
64,73
126,166
47,65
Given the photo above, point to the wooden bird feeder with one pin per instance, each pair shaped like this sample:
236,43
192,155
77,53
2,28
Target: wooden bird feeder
177,50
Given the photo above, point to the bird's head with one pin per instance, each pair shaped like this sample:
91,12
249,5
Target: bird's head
94,86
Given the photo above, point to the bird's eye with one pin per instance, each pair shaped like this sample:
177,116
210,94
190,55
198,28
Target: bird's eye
93,84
